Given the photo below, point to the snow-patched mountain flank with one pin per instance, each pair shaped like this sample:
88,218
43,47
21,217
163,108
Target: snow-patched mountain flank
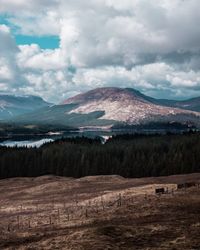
11,106
124,105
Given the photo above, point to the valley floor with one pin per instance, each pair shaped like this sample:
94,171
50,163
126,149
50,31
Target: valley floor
100,212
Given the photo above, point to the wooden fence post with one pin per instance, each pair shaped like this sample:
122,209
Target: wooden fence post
86,213
53,203
18,222
58,215
9,227
68,214
102,203
50,220
120,200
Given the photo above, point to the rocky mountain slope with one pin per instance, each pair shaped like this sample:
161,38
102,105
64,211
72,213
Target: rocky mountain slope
124,105
109,107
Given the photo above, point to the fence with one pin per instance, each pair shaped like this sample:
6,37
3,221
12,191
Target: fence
68,213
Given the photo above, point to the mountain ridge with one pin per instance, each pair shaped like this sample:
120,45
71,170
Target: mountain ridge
13,105
123,105
109,106
192,104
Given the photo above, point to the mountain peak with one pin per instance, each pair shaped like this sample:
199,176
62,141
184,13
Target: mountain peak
110,106
106,93
122,104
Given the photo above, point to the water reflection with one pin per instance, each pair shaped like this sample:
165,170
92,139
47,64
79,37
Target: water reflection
28,144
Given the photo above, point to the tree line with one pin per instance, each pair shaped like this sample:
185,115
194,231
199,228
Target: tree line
125,155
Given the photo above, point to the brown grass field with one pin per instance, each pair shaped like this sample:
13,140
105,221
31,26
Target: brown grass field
100,212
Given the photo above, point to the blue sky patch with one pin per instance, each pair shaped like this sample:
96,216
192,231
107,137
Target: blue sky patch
45,42
3,19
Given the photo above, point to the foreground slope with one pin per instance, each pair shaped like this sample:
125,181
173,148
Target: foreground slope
99,212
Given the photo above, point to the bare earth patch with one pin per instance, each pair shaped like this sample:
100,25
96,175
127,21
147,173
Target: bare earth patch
99,212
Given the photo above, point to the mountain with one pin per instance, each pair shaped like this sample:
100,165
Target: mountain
109,107
128,106
192,104
11,106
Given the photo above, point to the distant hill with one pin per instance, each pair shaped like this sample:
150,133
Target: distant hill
190,104
112,106
11,106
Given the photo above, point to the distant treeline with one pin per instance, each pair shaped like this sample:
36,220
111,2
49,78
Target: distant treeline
19,129
125,155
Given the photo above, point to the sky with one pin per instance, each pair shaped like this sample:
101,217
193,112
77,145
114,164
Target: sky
58,48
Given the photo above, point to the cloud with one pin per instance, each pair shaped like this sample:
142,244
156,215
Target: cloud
13,6
150,45
33,58
44,23
157,79
130,33
10,76
5,71
8,46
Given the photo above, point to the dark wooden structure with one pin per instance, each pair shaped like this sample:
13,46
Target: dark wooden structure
186,185
159,190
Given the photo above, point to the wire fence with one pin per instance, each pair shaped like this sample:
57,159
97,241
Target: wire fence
75,212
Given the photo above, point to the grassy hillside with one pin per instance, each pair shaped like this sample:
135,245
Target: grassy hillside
59,115
100,212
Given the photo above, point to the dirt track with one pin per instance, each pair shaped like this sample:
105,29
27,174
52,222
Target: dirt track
100,212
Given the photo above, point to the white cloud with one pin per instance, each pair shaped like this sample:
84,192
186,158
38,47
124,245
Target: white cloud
14,6
150,45
44,23
32,57
7,45
154,79
9,71
5,71
51,85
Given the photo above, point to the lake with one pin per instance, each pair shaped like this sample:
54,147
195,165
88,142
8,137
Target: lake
37,140
28,144
40,139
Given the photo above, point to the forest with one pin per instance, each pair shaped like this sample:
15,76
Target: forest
125,155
